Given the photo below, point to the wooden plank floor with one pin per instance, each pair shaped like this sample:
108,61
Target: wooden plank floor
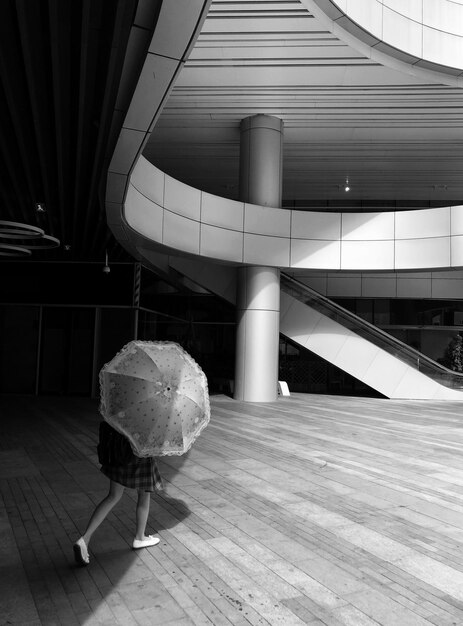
310,510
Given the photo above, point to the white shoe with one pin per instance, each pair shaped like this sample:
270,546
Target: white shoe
81,552
145,543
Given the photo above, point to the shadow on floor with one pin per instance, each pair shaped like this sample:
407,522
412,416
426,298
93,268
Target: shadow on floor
49,485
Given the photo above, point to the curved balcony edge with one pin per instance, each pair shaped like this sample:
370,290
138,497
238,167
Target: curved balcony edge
169,215
431,51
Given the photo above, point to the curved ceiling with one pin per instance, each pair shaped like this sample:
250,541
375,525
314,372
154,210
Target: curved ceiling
398,138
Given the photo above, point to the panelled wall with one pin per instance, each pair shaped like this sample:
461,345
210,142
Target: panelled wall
445,284
426,33
162,211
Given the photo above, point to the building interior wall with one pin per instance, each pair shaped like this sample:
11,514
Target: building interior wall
59,323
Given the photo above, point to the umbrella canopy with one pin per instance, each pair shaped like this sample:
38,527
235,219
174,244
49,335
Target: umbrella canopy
155,394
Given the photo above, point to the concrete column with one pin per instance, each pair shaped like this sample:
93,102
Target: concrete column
258,301
261,160
257,334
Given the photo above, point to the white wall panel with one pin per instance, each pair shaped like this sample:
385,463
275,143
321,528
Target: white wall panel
423,223
220,243
262,250
447,288
149,181
422,386
349,275
315,282
345,286
455,274
180,233
412,9
143,216
402,33
342,4
444,393
266,220
411,254
368,13
222,212
367,226
356,356
296,320
182,199
316,254
456,220
443,15
384,373
314,225
361,255
416,274
414,287
327,339
443,48
378,287
456,248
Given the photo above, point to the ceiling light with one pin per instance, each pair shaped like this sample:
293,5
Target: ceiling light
7,249
29,237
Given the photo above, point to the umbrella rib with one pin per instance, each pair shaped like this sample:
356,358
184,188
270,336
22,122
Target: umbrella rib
123,375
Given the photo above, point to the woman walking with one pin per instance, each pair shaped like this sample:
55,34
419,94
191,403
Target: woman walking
141,474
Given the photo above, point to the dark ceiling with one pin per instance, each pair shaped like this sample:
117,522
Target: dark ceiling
61,63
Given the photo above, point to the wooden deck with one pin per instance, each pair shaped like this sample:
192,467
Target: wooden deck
311,510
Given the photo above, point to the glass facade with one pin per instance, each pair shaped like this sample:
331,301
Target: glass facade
424,324
19,332
56,335
55,341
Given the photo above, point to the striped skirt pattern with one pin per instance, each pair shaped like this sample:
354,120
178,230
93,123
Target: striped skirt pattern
142,474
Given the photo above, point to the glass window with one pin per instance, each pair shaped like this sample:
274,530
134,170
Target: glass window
365,309
382,314
18,348
67,350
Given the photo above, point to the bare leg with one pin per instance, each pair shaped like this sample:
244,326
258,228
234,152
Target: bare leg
143,509
99,514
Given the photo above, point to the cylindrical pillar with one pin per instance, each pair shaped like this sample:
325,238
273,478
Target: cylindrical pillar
261,160
258,301
257,334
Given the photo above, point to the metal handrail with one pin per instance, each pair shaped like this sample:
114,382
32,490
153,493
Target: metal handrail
375,335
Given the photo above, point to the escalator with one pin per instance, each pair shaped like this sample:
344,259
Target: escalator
359,348
365,352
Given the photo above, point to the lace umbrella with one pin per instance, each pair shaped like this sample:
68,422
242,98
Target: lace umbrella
155,394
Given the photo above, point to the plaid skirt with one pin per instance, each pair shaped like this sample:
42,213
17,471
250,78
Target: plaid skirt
142,474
